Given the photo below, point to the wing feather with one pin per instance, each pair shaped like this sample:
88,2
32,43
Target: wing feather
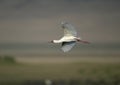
69,30
66,46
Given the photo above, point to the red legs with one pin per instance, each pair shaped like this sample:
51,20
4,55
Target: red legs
83,41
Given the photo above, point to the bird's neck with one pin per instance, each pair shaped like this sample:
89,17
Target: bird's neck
56,41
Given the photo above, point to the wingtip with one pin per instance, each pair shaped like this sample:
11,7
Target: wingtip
64,22
64,50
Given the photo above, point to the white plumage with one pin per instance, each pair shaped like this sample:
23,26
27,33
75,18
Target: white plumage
70,37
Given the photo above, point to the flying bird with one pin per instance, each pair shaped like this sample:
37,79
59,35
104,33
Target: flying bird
70,37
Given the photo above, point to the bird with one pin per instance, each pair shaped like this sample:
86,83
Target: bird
70,37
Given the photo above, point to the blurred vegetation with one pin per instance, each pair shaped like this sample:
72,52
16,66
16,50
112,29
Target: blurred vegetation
7,59
75,73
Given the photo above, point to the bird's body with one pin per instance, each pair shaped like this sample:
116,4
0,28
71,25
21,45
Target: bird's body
70,37
66,39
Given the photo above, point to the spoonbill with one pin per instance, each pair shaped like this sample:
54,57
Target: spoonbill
70,37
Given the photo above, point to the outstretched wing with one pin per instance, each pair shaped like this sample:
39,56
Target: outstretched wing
69,30
66,46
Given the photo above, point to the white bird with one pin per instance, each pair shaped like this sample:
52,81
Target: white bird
70,37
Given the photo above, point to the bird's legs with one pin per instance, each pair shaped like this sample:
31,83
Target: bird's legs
83,41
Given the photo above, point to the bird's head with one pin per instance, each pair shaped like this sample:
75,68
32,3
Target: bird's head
52,41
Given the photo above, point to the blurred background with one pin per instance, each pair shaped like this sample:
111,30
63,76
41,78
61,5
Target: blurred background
27,57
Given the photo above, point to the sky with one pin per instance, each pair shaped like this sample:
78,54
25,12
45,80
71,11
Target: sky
39,21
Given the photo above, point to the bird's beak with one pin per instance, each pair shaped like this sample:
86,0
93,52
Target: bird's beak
51,41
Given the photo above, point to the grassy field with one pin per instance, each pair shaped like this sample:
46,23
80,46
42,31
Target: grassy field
106,69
